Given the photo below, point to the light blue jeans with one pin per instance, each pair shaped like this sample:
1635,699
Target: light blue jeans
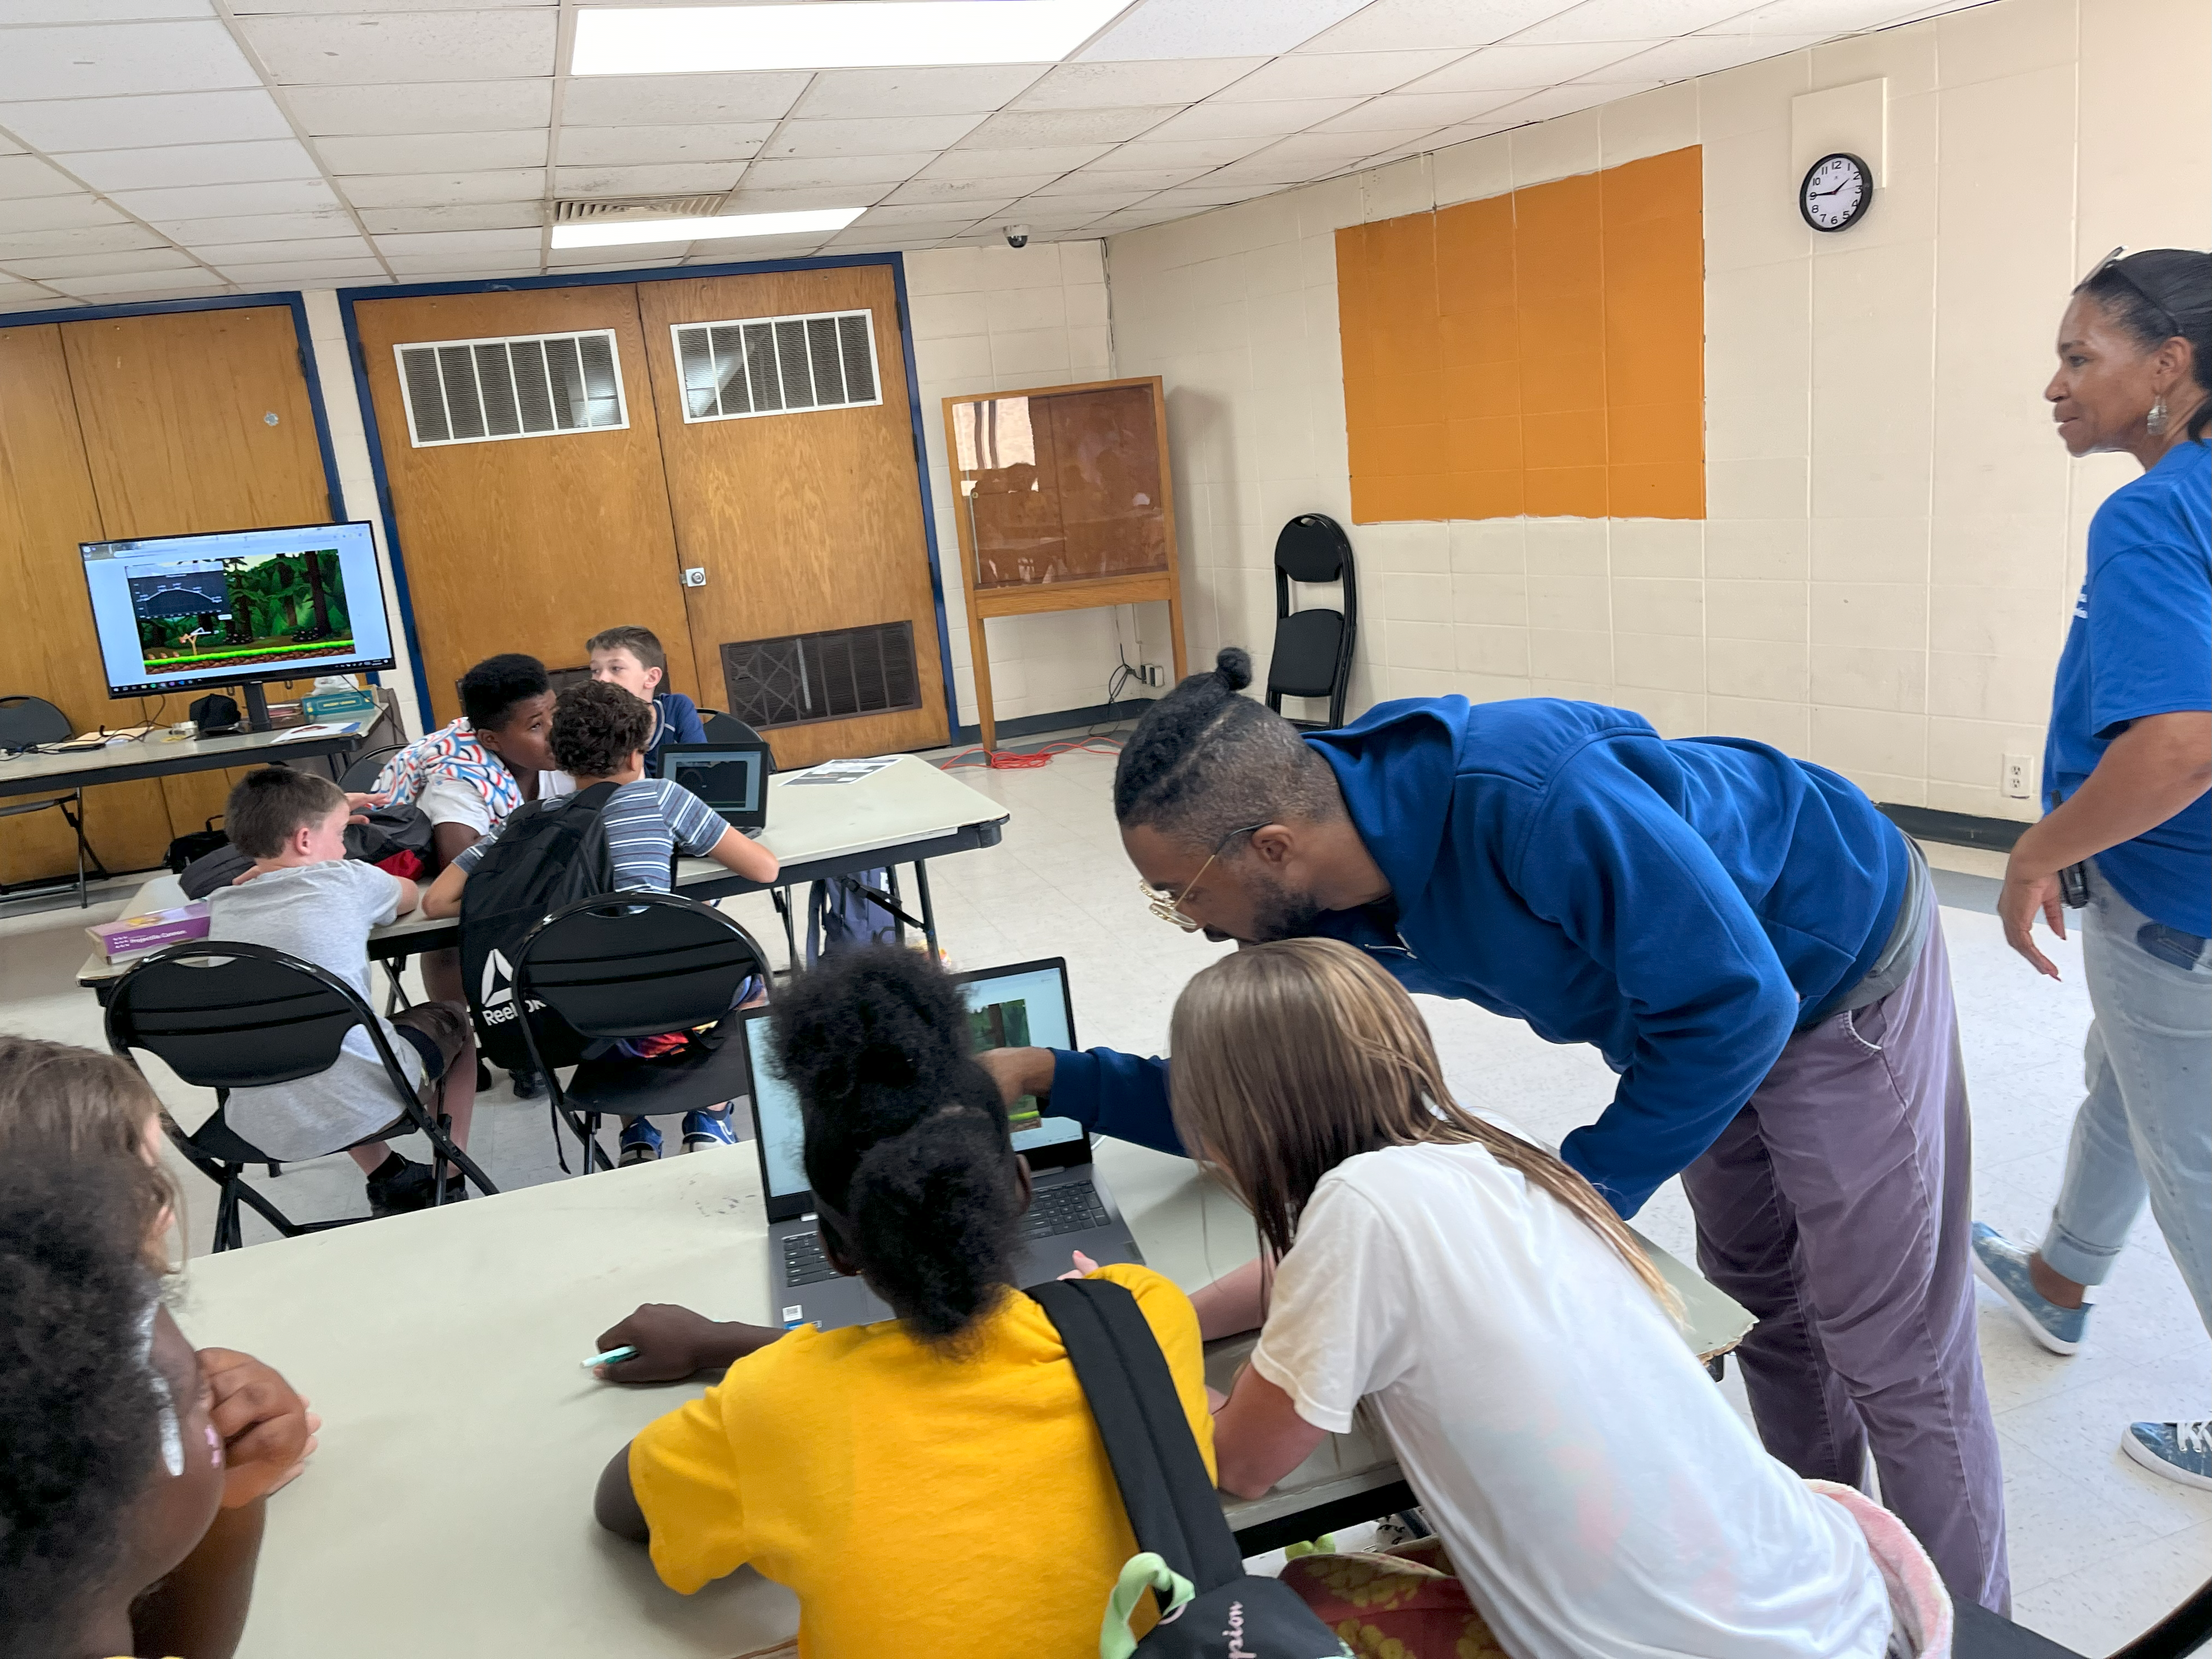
2145,1129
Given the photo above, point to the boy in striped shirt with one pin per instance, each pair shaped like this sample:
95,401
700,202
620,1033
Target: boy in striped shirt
599,735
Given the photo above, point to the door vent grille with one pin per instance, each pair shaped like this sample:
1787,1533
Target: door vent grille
801,678
528,385
751,365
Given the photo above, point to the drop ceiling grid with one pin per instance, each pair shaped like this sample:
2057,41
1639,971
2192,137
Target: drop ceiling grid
161,148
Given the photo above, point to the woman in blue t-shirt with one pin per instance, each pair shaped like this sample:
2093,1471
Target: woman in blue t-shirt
2125,772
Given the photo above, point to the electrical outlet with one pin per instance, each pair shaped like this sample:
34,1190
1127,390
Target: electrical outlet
1152,673
2018,769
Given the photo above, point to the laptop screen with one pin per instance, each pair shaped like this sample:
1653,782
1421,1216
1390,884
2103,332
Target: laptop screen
1021,1006
732,779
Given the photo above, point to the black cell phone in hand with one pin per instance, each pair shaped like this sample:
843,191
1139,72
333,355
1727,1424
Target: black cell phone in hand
2074,886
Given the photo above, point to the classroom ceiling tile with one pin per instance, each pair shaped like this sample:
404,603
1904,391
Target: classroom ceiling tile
879,135
399,46
432,107
15,12
678,178
442,268
300,252
41,267
1417,112
1066,126
629,256
433,152
82,239
1005,163
1698,54
1214,28
1102,175
1105,86
254,7
212,201
1565,101
625,101
1825,18
616,146
871,230
1077,208
55,213
130,285
929,212
29,175
816,172
97,61
1427,25
254,226
254,162
389,190
1521,66
327,273
971,90
459,243
464,215
1179,153
57,125
1217,119
775,199
1335,74
963,190
1628,20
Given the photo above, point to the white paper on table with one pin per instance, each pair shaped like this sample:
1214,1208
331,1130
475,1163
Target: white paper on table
328,729
841,771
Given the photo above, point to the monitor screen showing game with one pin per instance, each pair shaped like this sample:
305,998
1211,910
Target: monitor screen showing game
177,612
1023,1007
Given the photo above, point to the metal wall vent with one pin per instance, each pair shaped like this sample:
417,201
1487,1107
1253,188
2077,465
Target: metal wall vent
801,678
751,365
528,385
570,210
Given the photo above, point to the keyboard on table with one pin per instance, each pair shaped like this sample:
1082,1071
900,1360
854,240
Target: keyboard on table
1064,1209
803,1261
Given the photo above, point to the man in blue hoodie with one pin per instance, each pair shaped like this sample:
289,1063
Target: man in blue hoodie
1753,947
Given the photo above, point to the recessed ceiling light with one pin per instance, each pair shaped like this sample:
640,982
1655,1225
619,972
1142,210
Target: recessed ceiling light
832,34
611,232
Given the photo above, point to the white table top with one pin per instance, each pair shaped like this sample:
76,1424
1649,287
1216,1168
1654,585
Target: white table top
151,755
461,1441
908,802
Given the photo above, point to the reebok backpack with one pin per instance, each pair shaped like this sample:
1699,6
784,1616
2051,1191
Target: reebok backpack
551,854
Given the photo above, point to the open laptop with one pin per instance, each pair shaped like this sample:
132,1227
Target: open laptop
1023,1006
729,777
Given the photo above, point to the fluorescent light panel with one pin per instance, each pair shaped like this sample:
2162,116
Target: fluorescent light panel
613,233
833,34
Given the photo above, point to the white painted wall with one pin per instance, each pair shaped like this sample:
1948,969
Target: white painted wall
1893,536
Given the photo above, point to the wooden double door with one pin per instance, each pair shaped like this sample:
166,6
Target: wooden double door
801,523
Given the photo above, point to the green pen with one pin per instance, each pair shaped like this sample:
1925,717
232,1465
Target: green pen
611,1356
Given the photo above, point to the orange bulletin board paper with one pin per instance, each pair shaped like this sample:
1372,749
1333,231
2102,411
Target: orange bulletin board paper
1541,352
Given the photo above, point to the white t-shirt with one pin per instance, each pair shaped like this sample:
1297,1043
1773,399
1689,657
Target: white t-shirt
1596,1494
449,800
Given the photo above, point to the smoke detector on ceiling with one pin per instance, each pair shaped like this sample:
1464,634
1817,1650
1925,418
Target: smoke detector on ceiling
569,210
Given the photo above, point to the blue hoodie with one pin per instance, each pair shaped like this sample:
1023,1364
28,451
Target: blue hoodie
1685,905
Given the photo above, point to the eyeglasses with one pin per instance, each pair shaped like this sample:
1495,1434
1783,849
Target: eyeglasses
1168,908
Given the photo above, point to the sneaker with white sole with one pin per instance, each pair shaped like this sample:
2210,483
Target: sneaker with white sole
640,1142
2179,1451
704,1131
2003,1266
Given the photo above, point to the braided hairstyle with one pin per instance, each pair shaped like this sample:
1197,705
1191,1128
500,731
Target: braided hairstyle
79,1408
2159,294
1203,761
905,1134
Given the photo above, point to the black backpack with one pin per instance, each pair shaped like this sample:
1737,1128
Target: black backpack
389,830
551,854
1210,1607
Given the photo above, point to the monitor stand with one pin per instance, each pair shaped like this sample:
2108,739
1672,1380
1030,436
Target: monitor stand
256,707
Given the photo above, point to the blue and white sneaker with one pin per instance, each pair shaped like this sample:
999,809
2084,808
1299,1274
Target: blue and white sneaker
704,1131
2179,1451
640,1142
2003,1266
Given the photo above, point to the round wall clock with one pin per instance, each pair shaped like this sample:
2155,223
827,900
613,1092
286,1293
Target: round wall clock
1838,191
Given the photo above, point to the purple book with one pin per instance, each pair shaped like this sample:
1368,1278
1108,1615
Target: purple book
132,935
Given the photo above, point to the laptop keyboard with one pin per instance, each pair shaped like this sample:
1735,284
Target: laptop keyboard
1064,1209
803,1261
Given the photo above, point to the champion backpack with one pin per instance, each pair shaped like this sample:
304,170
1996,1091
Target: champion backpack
551,854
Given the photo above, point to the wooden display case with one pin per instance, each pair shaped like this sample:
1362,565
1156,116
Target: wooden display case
1064,501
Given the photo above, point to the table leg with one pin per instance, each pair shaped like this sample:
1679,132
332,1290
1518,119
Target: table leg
892,887
928,909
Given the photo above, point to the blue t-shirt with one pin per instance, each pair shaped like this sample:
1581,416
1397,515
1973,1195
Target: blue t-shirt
677,721
2141,644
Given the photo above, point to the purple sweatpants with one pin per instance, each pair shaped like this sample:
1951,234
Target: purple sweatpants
1835,1207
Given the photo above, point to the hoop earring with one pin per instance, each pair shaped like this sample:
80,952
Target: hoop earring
2156,420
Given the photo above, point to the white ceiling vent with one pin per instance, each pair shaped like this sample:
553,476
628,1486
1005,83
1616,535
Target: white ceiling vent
575,210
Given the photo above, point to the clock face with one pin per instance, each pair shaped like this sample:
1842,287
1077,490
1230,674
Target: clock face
1836,193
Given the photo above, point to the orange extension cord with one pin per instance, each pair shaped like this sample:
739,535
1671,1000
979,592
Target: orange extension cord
1008,760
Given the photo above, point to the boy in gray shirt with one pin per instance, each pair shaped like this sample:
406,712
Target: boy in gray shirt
303,896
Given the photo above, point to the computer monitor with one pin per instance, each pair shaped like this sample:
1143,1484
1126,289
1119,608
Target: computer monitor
729,777
237,607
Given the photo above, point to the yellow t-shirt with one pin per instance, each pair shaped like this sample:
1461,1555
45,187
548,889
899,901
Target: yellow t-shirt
916,1503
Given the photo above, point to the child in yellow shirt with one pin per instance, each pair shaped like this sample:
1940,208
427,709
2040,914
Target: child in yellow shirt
880,1470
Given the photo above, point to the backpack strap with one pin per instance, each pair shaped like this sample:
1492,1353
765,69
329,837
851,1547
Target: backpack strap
1172,1505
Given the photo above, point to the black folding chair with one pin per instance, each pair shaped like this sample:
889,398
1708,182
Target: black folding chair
636,966
25,722
227,1016
1980,1634
1312,655
361,772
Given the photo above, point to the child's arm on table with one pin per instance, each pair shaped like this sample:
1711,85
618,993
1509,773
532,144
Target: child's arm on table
406,896
443,898
1259,1436
1234,1303
747,857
